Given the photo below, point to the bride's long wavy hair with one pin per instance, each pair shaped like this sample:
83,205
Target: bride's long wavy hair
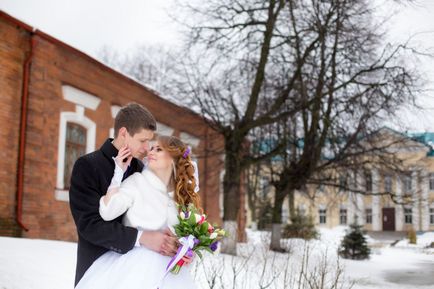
183,175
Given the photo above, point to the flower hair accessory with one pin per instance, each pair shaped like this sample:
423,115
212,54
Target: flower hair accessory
186,153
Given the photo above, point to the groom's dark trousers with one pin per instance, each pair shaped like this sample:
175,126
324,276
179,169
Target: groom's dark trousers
90,179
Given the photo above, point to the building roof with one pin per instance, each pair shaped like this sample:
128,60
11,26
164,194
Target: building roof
426,138
100,64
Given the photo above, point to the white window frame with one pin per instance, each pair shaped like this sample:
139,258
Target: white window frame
114,110
368,181
368,215
322,213
343,178
431,215
431,181
407,183
343,213
408,215
164,129
82,100
302,209
388,183
189,139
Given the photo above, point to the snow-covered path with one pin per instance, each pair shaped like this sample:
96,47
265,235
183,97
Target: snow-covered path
393,268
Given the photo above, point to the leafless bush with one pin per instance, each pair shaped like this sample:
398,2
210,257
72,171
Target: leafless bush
305,267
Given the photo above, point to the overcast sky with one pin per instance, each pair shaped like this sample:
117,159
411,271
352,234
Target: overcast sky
88,25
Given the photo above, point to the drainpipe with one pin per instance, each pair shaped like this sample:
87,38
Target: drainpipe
23,127
205,172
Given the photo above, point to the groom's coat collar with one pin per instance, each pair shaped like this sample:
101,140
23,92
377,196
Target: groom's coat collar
109,149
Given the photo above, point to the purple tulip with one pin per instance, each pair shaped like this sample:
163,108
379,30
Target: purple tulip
213,246
196,241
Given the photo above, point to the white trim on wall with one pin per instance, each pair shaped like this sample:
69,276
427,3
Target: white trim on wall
114,110
164,129
189,139
80,97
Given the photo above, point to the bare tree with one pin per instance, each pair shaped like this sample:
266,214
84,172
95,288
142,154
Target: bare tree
349,83
231,78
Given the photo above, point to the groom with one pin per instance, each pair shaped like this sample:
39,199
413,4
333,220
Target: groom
134,127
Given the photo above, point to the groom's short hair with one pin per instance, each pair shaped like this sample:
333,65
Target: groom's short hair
134,117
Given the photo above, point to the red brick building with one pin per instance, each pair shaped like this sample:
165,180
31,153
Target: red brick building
55,100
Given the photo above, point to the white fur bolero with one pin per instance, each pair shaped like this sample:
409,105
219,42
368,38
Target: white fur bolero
146,201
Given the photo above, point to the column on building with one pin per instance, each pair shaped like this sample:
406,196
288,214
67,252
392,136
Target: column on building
376,208
360,204
414,200
424,185
399,210
351,211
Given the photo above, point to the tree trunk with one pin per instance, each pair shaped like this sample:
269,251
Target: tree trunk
251,200
231,188
291,203
276,233
229,244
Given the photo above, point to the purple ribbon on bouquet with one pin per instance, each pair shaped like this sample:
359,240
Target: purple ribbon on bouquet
187,248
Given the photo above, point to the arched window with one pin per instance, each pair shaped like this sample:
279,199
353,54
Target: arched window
75,146
77,135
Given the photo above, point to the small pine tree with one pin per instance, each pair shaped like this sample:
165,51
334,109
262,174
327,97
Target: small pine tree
354,245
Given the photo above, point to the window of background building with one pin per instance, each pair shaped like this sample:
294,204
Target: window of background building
407,183
75,146
368,213
343,216
342,182
431,216
368,181
302,210
388,184
322,216
408,218
431,182
264,186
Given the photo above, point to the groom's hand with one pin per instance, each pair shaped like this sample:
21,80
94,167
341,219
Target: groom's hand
124,157
163,242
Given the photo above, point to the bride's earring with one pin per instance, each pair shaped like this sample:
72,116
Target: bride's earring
174,170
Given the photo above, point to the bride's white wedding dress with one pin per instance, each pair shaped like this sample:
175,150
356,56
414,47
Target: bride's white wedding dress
148,206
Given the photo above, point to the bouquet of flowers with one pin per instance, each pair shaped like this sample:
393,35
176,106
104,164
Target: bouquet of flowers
196,235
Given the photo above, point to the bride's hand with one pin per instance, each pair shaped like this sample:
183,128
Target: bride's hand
188,260
124,157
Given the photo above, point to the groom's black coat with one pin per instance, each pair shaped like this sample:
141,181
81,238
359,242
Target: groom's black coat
90,179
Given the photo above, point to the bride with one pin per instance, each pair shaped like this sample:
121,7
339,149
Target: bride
148,198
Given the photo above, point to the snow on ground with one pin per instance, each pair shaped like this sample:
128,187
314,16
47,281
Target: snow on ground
422,241
36,264
43,264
